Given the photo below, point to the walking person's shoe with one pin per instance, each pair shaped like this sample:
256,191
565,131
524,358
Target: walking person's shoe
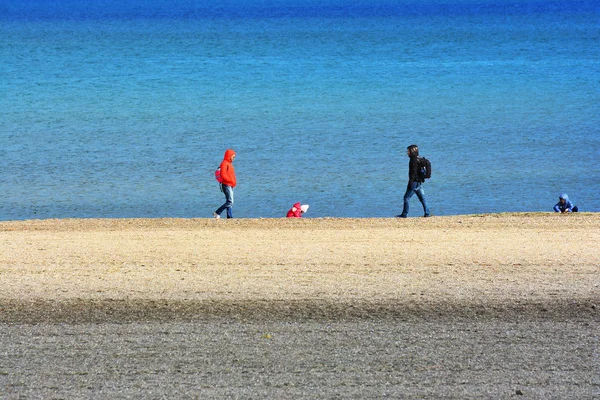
216,216
400,216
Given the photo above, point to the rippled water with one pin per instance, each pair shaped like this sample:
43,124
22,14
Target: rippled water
125,110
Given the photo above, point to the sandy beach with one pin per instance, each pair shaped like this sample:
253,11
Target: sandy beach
309,267
333,308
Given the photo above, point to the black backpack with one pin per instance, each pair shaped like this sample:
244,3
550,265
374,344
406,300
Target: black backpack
424,168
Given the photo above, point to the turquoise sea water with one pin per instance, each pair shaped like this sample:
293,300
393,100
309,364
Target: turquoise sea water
125,110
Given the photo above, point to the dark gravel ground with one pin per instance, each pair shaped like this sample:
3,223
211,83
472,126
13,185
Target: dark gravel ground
552,353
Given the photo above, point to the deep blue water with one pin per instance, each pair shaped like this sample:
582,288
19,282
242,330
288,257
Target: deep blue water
125,110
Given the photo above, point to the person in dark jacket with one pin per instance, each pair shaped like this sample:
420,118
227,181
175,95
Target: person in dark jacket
227,184
415,182
564,205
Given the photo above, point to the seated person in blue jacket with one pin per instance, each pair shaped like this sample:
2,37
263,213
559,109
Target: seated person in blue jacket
564,205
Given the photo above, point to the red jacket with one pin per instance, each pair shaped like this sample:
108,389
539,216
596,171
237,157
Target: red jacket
227,170
295,211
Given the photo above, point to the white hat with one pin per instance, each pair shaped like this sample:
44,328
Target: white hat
304,207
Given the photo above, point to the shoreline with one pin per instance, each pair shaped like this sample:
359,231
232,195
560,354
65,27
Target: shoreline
507,218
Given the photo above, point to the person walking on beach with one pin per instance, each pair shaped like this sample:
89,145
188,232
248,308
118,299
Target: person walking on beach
227,183
415,181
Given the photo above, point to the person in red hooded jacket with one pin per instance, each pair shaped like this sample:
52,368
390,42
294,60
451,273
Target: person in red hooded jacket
227,184
297,210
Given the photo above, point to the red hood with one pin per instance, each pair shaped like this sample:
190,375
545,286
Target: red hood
228,154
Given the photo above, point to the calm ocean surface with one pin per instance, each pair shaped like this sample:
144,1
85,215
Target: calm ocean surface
125,110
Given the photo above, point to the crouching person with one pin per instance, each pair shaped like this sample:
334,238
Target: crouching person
565,205
297,210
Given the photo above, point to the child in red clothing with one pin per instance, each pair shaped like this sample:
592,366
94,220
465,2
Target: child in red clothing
297,210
